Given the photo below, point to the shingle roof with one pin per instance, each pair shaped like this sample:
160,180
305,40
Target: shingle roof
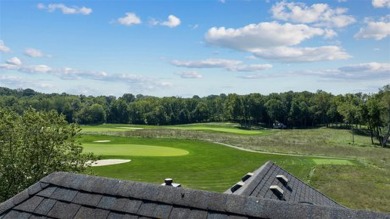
258,185
68,195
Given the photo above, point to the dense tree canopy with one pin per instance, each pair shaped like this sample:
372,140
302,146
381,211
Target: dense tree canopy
33,145
293,109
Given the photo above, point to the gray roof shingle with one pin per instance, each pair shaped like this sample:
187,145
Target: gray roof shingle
258,185
68,195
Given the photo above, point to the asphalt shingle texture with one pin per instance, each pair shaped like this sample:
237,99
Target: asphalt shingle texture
295,190
68,195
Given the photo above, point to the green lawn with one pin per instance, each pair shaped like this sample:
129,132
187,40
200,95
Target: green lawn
108,149
207,166
110,128
219,127
319,161
208,127
357,175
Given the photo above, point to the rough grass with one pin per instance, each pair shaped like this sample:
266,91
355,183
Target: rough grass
318,161
230,128
208,166
364,185
218,127
107,128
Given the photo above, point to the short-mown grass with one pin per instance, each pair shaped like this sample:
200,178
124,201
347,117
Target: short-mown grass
106,128
208,166
230,128
109,149
358,177
219,127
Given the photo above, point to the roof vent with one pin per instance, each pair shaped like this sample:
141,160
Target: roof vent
169,182
277,191
247,176
283,179
236,186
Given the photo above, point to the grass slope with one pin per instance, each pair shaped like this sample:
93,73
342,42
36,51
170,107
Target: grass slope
208,166
363,185
208,127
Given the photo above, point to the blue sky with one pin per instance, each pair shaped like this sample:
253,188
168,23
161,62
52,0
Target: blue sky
186,48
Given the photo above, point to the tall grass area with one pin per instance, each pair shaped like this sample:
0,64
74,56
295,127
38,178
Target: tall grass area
365,185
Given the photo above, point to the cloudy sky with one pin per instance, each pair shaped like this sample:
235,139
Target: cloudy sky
184,48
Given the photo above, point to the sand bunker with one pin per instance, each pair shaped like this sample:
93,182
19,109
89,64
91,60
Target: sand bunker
102,141
107,162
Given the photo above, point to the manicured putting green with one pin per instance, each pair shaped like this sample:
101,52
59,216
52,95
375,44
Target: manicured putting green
332,162
108,149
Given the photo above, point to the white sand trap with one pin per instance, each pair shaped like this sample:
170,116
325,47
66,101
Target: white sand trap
107,162
102,141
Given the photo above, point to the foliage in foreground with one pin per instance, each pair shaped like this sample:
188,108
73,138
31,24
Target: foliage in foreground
33,145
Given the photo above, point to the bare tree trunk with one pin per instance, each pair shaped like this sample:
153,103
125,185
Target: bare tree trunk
386,137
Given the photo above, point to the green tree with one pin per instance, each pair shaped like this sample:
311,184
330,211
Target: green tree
34,145
93,114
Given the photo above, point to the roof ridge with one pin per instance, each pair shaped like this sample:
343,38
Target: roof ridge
152,198
244,190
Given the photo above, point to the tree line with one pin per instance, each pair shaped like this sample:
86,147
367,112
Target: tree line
292,109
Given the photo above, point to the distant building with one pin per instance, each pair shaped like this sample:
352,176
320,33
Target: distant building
278,125
268,192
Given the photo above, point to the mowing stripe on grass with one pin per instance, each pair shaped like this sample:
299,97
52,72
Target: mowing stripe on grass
108,149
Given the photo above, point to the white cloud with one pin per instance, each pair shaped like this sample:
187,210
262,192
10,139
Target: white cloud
72,74
227,64
10,80
262,35
261,76
14,61
271,40
190,75
7,66
33,52
306,54
375,29
3,47
250,68
318,14
381,3
129,19
65,9
138,82
36,69
367,67
193,26
208,63
172,22
358,72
